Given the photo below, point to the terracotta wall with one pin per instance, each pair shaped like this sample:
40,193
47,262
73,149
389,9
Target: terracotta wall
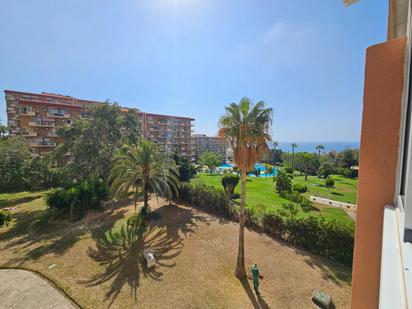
378,162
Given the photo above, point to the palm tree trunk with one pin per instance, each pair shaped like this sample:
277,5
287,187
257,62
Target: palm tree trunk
293,157
135,199
240,266
146,195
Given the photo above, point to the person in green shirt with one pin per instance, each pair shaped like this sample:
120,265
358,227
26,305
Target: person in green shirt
255,277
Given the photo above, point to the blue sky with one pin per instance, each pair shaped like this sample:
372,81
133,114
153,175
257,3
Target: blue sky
192,57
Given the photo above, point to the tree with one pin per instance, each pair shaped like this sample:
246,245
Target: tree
330,183
319,148
275,144
283,183
142,168
15,158
306,158
229,183
293,145
130,127
3,130
186,170
324,170
93,141
246,128
347,158
210,159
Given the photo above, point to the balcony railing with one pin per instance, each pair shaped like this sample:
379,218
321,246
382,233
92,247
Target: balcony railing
29,134
58,115
28,113
44,124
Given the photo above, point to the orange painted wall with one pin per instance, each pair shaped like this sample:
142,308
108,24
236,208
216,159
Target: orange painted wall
381,121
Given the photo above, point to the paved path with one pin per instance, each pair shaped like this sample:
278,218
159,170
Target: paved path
24,289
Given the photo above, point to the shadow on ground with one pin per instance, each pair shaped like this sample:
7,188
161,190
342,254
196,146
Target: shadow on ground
121,252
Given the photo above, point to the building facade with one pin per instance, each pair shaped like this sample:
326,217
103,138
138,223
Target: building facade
172,133
202,143
37,116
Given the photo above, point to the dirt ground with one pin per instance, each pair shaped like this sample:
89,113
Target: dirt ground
100,265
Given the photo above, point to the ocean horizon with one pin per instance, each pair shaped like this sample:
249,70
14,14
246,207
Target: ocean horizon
311,146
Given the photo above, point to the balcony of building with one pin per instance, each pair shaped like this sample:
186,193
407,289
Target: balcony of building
29,134
41,124
58,113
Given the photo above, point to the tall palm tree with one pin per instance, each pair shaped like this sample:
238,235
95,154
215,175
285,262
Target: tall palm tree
293,145
246,128
141,168
275,144
319,148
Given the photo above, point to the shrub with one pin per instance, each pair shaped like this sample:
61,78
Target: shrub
295,197
206,197
5,218
329,182
77,199
229,183
288,170
283,183
315,234
300,187
324,171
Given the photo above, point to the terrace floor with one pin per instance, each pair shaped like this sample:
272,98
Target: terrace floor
195,252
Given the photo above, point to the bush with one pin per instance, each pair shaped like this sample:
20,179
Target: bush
229,183
315,234
5,218
324,171
329,182
295,197
78,198
288,170
206,197
300,187
283,183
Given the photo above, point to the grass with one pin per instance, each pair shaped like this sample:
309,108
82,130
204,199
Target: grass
262,197
195,253
345,189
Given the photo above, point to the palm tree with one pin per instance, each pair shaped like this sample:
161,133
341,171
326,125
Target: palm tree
143,169
319,148
246,128
275,144
293,145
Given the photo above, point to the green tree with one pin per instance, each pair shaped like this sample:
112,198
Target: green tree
142,169
93,141
330,183
3,130
293,145
229,183
210,159
15,158
246,128
319,148
347,158
283,183
324,170
274,144
130,127
186,170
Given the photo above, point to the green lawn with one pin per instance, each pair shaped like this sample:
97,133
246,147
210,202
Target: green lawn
345,189
262,197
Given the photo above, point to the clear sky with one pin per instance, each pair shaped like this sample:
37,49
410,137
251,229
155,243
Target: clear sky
304,58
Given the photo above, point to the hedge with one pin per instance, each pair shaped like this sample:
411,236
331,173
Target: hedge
313,233
78,198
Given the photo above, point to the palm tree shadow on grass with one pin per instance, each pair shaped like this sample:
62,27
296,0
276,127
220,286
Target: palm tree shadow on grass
121,252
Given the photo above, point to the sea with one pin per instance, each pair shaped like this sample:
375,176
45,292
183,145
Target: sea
311,146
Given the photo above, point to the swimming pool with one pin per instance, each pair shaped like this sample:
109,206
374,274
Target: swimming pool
258,166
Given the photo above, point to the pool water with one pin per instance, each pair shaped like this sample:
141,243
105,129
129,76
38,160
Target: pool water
258,166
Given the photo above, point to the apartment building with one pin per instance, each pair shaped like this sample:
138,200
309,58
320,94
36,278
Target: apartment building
37,116
202,143
172,133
